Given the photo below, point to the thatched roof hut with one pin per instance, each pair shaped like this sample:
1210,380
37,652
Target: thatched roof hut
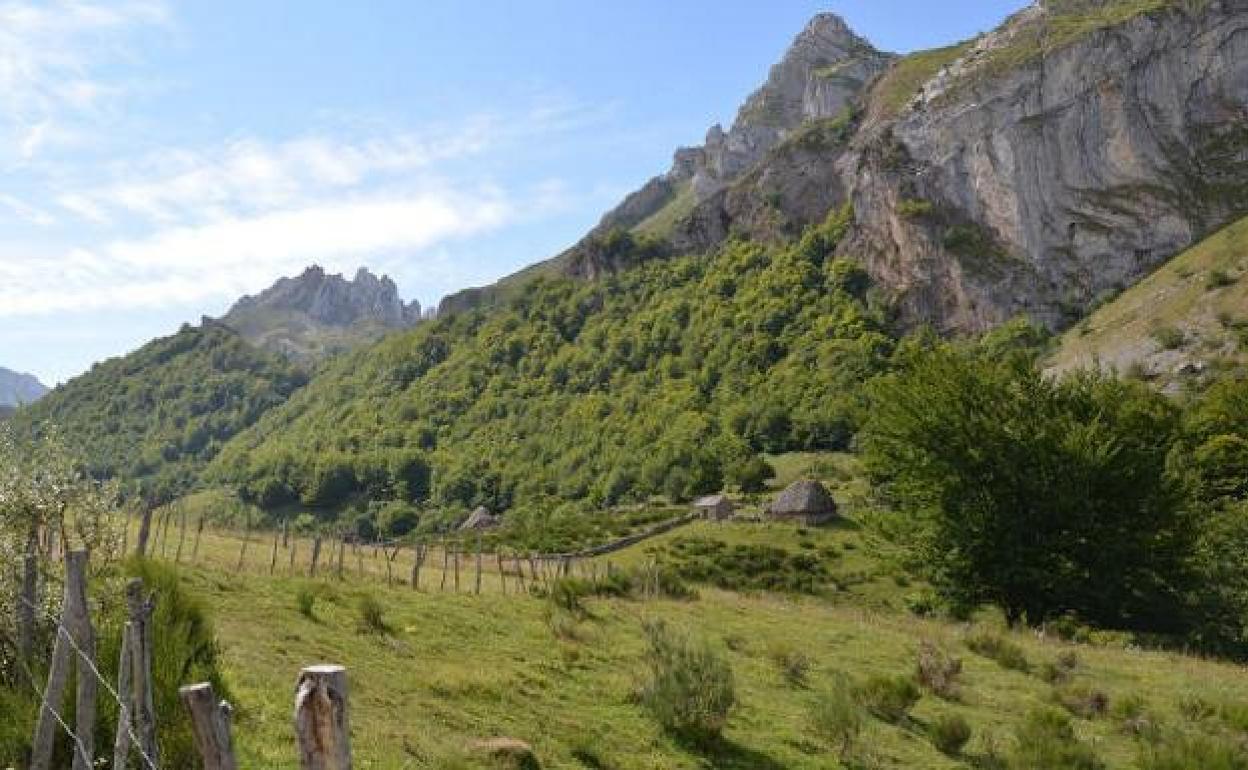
716,507
480,519
807,501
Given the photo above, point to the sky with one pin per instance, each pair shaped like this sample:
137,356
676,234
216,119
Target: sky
161,159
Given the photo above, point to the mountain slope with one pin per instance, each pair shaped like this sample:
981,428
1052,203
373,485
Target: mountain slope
1188,317
315,315
154,417
664,379
17,389
1032,170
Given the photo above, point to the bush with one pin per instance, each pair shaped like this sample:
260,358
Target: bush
794,664
949,733
1045,740
1169,337
1181,752
938,671
888,698
1061,669
1219,279
566,594
372,616
996,647
836,718
305,598
1082,701
691,690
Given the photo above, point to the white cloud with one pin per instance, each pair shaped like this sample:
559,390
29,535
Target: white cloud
50,55
184,265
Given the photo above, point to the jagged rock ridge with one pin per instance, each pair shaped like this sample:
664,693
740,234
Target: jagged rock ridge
318,314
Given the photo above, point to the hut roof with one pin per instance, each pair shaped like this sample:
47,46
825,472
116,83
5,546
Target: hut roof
709,501
804,497
480,519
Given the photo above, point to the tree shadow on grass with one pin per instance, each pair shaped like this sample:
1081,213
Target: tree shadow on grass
727,754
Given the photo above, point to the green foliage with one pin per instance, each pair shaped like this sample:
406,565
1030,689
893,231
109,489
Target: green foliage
949,733
749,567
888,698
750,474
659,380
914,208
1047,741
1182,751
372,615
836,717
305,600
156,417
691,689
1169,337
996,647
793,664
1041,496
1219,279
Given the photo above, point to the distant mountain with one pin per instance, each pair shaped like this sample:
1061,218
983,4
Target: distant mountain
316,314
154,417
17,389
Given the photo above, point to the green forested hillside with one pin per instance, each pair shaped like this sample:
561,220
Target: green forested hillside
665,379
155,417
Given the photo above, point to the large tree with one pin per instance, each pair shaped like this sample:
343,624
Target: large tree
1039,495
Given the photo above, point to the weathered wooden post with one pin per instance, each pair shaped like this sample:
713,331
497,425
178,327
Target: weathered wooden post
446,555
342,555
210,724
121,743
457,568
316,555
477,589
502,576
322,724
143,706
199,531
285,533
273,559
520,573
73,631
145,530
294,546
242,553
417,563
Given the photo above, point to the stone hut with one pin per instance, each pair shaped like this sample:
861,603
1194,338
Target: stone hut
714,507
806,501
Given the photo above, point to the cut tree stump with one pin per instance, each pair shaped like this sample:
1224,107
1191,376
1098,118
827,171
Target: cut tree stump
322,724
210,723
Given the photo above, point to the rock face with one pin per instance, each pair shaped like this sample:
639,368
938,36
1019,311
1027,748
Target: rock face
818,78
317,314
17,389
1067,177
1036,170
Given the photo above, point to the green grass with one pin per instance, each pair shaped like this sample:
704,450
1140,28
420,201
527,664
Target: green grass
455,668
1192,307
660,223
908,75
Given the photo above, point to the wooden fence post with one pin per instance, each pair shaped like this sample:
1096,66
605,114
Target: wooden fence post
417,563
446,556
502,576
143,711
210,723
145,531
316,555
322,724
199,531
294,546
74,630
121,743
342,554
273,559
477,589
520,573
457,568
285,533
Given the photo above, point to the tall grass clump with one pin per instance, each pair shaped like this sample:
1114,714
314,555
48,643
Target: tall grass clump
937,671
949,733
305,600
1182,751
837,719
1045,740
690,689
996,647
888,698
372,615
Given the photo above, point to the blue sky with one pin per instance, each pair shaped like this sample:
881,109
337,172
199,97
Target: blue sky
163,158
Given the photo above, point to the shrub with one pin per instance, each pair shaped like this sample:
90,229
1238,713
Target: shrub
996,647
888,698
1169,337
794,664
1045,740
1181,752
1082,701
305,597
691,690
836,718
566,594
914,208
372,615
1061,669
1219,279
949,733
938,671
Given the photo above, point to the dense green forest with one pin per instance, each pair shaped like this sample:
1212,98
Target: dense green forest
153,419
666,379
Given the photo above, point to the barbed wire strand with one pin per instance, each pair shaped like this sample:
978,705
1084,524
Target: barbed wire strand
134,738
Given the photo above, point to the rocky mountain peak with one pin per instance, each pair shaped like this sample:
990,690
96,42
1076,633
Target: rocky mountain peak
17,388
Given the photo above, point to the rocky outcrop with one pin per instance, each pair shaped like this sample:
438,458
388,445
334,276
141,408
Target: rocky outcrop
17,389
1038,183
318,314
